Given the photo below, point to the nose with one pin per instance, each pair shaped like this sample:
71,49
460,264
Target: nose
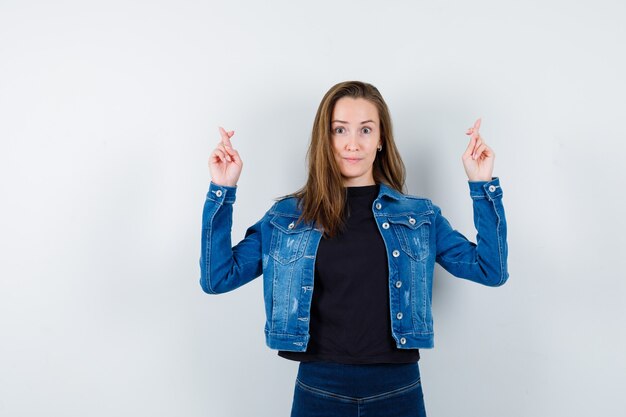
352,143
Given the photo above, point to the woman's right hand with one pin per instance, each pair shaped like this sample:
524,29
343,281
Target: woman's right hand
224,162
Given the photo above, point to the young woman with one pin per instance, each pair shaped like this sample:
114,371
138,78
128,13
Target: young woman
348,260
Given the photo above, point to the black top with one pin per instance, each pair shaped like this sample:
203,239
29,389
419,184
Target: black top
350,317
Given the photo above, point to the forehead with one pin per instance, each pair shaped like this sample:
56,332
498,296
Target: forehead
354,110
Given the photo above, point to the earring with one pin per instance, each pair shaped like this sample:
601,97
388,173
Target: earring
380,148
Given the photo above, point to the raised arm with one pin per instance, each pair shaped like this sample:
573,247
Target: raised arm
486,260
222,267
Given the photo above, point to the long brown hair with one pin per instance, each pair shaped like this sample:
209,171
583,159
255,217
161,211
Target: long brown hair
323,198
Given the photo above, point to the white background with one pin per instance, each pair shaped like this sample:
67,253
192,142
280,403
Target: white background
109,110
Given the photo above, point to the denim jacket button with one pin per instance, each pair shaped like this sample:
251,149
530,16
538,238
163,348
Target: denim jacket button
411,220
396,253
291,225
398,284
378,206
402,340
399,316
385,225
492,188
218,193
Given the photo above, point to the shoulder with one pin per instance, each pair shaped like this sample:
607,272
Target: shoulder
287,206
399,203
416,198
419,199
414,205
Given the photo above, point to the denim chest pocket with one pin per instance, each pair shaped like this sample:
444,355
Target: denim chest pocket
412,233
288,239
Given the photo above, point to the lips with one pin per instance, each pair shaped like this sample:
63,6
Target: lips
352,160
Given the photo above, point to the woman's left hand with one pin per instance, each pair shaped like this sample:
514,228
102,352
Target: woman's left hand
478,157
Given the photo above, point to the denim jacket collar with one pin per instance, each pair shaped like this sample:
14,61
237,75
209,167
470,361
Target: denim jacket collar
390,192
288,206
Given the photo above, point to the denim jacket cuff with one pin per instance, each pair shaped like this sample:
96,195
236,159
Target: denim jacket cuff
485,189
221,193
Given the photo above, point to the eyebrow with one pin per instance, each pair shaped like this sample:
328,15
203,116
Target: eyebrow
343,121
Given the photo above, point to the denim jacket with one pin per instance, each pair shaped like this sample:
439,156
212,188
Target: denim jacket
415,233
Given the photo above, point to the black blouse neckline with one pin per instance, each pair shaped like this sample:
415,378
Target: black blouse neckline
362,190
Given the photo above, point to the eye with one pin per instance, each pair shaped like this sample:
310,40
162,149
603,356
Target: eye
336,130
368,130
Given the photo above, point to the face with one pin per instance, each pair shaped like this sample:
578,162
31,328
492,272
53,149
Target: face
355,136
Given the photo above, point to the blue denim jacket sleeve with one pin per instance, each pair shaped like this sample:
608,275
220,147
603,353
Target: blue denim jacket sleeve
484,262
224,268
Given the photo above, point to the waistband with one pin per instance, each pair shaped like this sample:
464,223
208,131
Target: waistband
358,380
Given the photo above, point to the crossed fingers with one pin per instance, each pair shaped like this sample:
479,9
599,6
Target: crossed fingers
478,145
224,148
